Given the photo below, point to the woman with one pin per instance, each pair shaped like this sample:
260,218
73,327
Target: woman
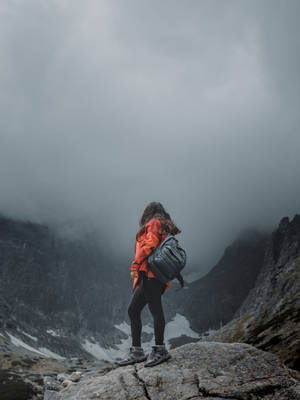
155,225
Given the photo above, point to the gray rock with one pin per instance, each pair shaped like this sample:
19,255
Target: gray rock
13,386
50,395
51,383
75,376
201,370
62,377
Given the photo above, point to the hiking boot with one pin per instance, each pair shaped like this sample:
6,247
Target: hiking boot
158,355
136,355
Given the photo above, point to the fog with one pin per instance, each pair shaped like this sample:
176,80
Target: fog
106,106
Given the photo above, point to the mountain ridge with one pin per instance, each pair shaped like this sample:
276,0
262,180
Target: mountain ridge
269,317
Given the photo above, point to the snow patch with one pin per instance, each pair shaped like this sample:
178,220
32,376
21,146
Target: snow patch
124,327
30,337
52,332
19,343
51,354
178,326
96,350
148,329
42,351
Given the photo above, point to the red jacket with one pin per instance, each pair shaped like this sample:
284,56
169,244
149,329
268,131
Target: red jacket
144,245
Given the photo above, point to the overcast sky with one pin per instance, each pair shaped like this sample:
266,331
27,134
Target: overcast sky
108,105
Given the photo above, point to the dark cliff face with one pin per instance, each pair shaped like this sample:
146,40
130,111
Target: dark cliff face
269,317
50,283
212,300
283,246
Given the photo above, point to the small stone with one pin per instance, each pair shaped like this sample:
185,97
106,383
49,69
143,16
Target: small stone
67,383
50,383
50,395
61,377
75,376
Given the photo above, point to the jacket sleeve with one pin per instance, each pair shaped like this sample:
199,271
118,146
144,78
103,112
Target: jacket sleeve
150,243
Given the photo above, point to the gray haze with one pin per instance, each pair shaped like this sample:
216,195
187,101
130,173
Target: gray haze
108,105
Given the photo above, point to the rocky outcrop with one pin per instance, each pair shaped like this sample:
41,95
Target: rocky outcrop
13,387
269,318
195,371
33,377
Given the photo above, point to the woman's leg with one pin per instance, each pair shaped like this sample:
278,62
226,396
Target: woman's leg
153,289
135,307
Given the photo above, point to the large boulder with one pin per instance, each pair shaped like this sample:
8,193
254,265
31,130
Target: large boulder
201,370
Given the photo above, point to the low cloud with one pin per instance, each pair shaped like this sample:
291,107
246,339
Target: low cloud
106,106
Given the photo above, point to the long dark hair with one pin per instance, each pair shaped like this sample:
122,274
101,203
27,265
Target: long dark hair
156,210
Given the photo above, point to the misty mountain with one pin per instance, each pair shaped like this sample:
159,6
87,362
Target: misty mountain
64,295
56,289
61,297
65,292
213,299
269,317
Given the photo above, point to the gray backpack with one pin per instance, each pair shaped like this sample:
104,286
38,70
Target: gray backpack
167,260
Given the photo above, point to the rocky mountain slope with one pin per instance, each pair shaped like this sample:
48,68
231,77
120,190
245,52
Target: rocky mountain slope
213,299
54,291
195,371
269,318
64,295
33,377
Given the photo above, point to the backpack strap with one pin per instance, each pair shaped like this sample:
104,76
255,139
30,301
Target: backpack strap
180,279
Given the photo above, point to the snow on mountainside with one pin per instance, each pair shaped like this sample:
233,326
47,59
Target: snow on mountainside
59,310
178,326
55,291
63,295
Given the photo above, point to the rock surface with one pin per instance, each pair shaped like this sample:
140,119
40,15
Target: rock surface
33,377
269,318
13,387
201,370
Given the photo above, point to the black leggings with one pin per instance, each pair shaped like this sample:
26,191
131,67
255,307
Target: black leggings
149,293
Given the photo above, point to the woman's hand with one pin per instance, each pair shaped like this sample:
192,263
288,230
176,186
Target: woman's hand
134,274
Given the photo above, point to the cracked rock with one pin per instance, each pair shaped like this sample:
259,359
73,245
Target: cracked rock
201,370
